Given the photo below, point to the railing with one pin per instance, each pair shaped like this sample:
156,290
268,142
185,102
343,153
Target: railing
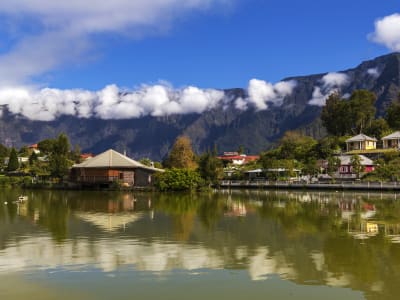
97,179
318,185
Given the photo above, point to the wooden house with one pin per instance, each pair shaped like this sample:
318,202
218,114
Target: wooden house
111,166
392,141
361,142
346,169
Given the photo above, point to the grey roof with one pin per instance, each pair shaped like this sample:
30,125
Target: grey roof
112,159
361,137
393,136
346,160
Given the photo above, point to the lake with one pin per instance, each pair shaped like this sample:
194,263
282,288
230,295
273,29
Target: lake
225,244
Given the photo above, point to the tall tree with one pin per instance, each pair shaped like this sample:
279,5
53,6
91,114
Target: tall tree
333,165
393,114
355,162
335,115
13,163
362,109
58,162
295,145
4,152
181,155
349,116
46,146
210,167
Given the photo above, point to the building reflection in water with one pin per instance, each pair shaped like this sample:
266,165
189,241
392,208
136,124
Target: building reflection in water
308,238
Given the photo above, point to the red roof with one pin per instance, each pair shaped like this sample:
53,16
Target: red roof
246,158
86,155
34,146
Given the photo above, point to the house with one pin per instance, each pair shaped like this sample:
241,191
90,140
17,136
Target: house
346,169
361,142
112,166
392,141
237,159
34,148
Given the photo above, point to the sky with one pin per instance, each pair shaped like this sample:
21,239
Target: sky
76,57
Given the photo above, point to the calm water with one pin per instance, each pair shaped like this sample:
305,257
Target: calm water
259,245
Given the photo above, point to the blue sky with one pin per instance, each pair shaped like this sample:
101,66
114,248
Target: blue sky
209,44
269,40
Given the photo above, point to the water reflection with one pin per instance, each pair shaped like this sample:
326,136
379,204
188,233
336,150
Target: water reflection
335,239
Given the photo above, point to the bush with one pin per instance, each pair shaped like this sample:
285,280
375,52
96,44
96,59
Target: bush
178,180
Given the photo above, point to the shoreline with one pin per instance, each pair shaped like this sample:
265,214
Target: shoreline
360,186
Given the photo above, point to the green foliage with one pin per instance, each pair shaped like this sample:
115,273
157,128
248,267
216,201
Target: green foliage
210,167
13,163
146,161
386,170
355,163
346,117
294,145
46,146
59,163
362,109
334,115
393,114
33,158
75,155
24,151
4,152
378,128
333,164
181,155
178,180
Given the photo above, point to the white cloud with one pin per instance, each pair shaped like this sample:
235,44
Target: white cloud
241,104
62,31
374,72
387,32
262,93
330,83
108,103
332,80
113,102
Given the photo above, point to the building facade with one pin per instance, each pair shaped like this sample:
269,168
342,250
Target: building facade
111,166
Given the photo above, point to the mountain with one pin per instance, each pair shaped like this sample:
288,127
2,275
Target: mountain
225,126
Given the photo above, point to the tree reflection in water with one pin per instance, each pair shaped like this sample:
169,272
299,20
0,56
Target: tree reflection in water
335,239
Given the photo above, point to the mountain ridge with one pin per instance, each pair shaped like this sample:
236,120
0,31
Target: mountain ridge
227,127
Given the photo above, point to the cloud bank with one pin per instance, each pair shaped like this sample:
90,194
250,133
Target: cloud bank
113,102
262,94
387,32
330,83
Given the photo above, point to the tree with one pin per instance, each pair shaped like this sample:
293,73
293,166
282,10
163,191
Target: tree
335,116
178,180
295,145
393,114
355,162
378,128
362,109
240,150
58,161
181,155
146,161
46,146
341,116
210,167
75,155
33,158
13,163
333,165
24,151
4,152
